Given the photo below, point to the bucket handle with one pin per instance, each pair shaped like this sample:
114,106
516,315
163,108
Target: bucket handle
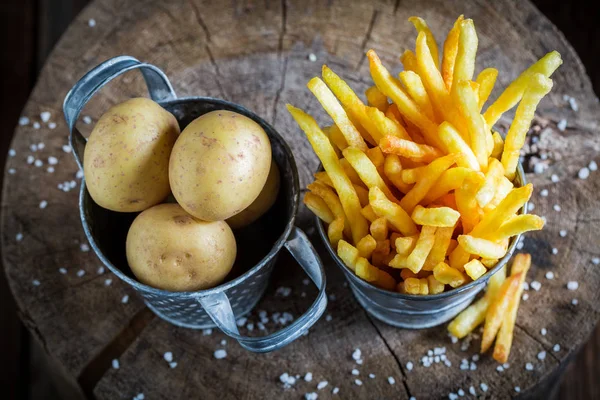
158,84
218,308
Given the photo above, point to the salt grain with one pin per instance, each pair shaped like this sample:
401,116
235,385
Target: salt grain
62,270
554,178
554,251
357,382
335,390
574,302
529,367
84,247
484,387
220,354
12,171
372,376
12,153
541,355
50,170
520,245
107,282
592,166
572,285
583,173
562,233
52,160
596,260
391,380
461,392
125,299
543,331
556,348
87,120
535,285
310,396
305,281
23,121
66,148
91,22
550,275
33,147
36,125
206,332
409,366
500,368
472,390
100,270
43,204
525,285
308,377
452,396
45,116
35,282
283,291
173,364
573,104
328,318
115,363
556,207
562,125
30,159
530,207
322,385
517,389
544,193
241,321
41,146
19,237
525,297
52,125
356,354
38,163
79,174
312,57
168,356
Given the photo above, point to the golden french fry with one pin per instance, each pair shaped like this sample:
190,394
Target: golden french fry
486,80
337,137
458,258
453,244
386,84
367,171
516,226
394,213
491,221
435,286
498,145
431,174
405,245
451,179
520,266
366,246
335,231
333,202
440,247
502,190
368,213
327,131
376,99
467,103
421,26
348,254
318,206
409,149
332,165
475,269
379,229
392,168
497,309
376,156
538,87
513,93
385,126
363,195
337,113
350,172
383,247
471,317
407,273
415,88
492,178
464,65
415,260
412,286
467,203
454,143
438,216
450,52
409,61
481,247
365,270
323,178
412,175
489,262
424,286
448,275
446,200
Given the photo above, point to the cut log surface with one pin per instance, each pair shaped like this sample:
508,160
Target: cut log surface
256,53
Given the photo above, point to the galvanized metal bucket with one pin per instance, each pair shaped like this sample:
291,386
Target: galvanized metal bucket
413,311
258,244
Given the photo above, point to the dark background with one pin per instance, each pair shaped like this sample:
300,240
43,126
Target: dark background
28,31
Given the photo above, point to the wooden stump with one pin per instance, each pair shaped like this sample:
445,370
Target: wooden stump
256,54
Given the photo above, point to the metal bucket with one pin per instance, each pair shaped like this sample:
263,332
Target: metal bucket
414,311
258,244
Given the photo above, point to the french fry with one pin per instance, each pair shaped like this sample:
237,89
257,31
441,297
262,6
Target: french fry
350,172
453,245
486,80
497,309
538,87
450,52
412,286
467,104
513,93
491,221
449,276
323,178
451,179
504,338
414,86
366,246
318,206
383,247
376,156
367,171
409,149
327,131
474,315
454,143
368,213
386,84
438,216
489,262
435,286
337,113
498,145
385,126
409,61
415,260
421,26
458,258
333,202
504,187
475,269
433,172
379,229
424,286
412,175
374,275
363,195
464,65
467,203
348,254
405,245
337,137
481,247
341,182
440,247
492,177
376,99
394,213
446,200
517,225
392,168
335,231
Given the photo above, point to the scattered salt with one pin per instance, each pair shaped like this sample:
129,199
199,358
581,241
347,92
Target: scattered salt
45,116
554,178
556,207
107,282
572,285
562,233
583,173
87,120
535,285
574,302
12,153
220,354
283,291
30,159
50,170
125,299
38,163
554,251
206,332
541,355
12,171
596,260
517,389
173,364
461,392
100,270
168,356
328,318
573,104
308,377
592,166
335,390
530,207
79,174
355,372
322,385
472,391
544,331
544,193
372,376
391,380
23,121
484,387
91,22
115,363
556,348
52,160
356,354
35,282
562,125
529,367
312,57
84,247
525,296
43,204
310,396
19,237
36,125
452,396
62,270
66,148
52,125
409,366
357,382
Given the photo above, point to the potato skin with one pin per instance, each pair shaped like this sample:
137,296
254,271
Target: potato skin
263,202
126,158
219,165
169,249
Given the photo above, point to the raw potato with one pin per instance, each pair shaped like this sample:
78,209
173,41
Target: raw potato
219,165
126,159
263,202
169,249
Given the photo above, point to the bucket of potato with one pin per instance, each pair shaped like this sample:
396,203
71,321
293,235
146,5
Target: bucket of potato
189,201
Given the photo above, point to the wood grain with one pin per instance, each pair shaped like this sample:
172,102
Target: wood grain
255,53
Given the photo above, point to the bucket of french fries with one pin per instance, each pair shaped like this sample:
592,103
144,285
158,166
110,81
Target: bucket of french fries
420,201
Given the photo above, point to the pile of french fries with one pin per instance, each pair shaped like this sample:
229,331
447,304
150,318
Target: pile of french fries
418,192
